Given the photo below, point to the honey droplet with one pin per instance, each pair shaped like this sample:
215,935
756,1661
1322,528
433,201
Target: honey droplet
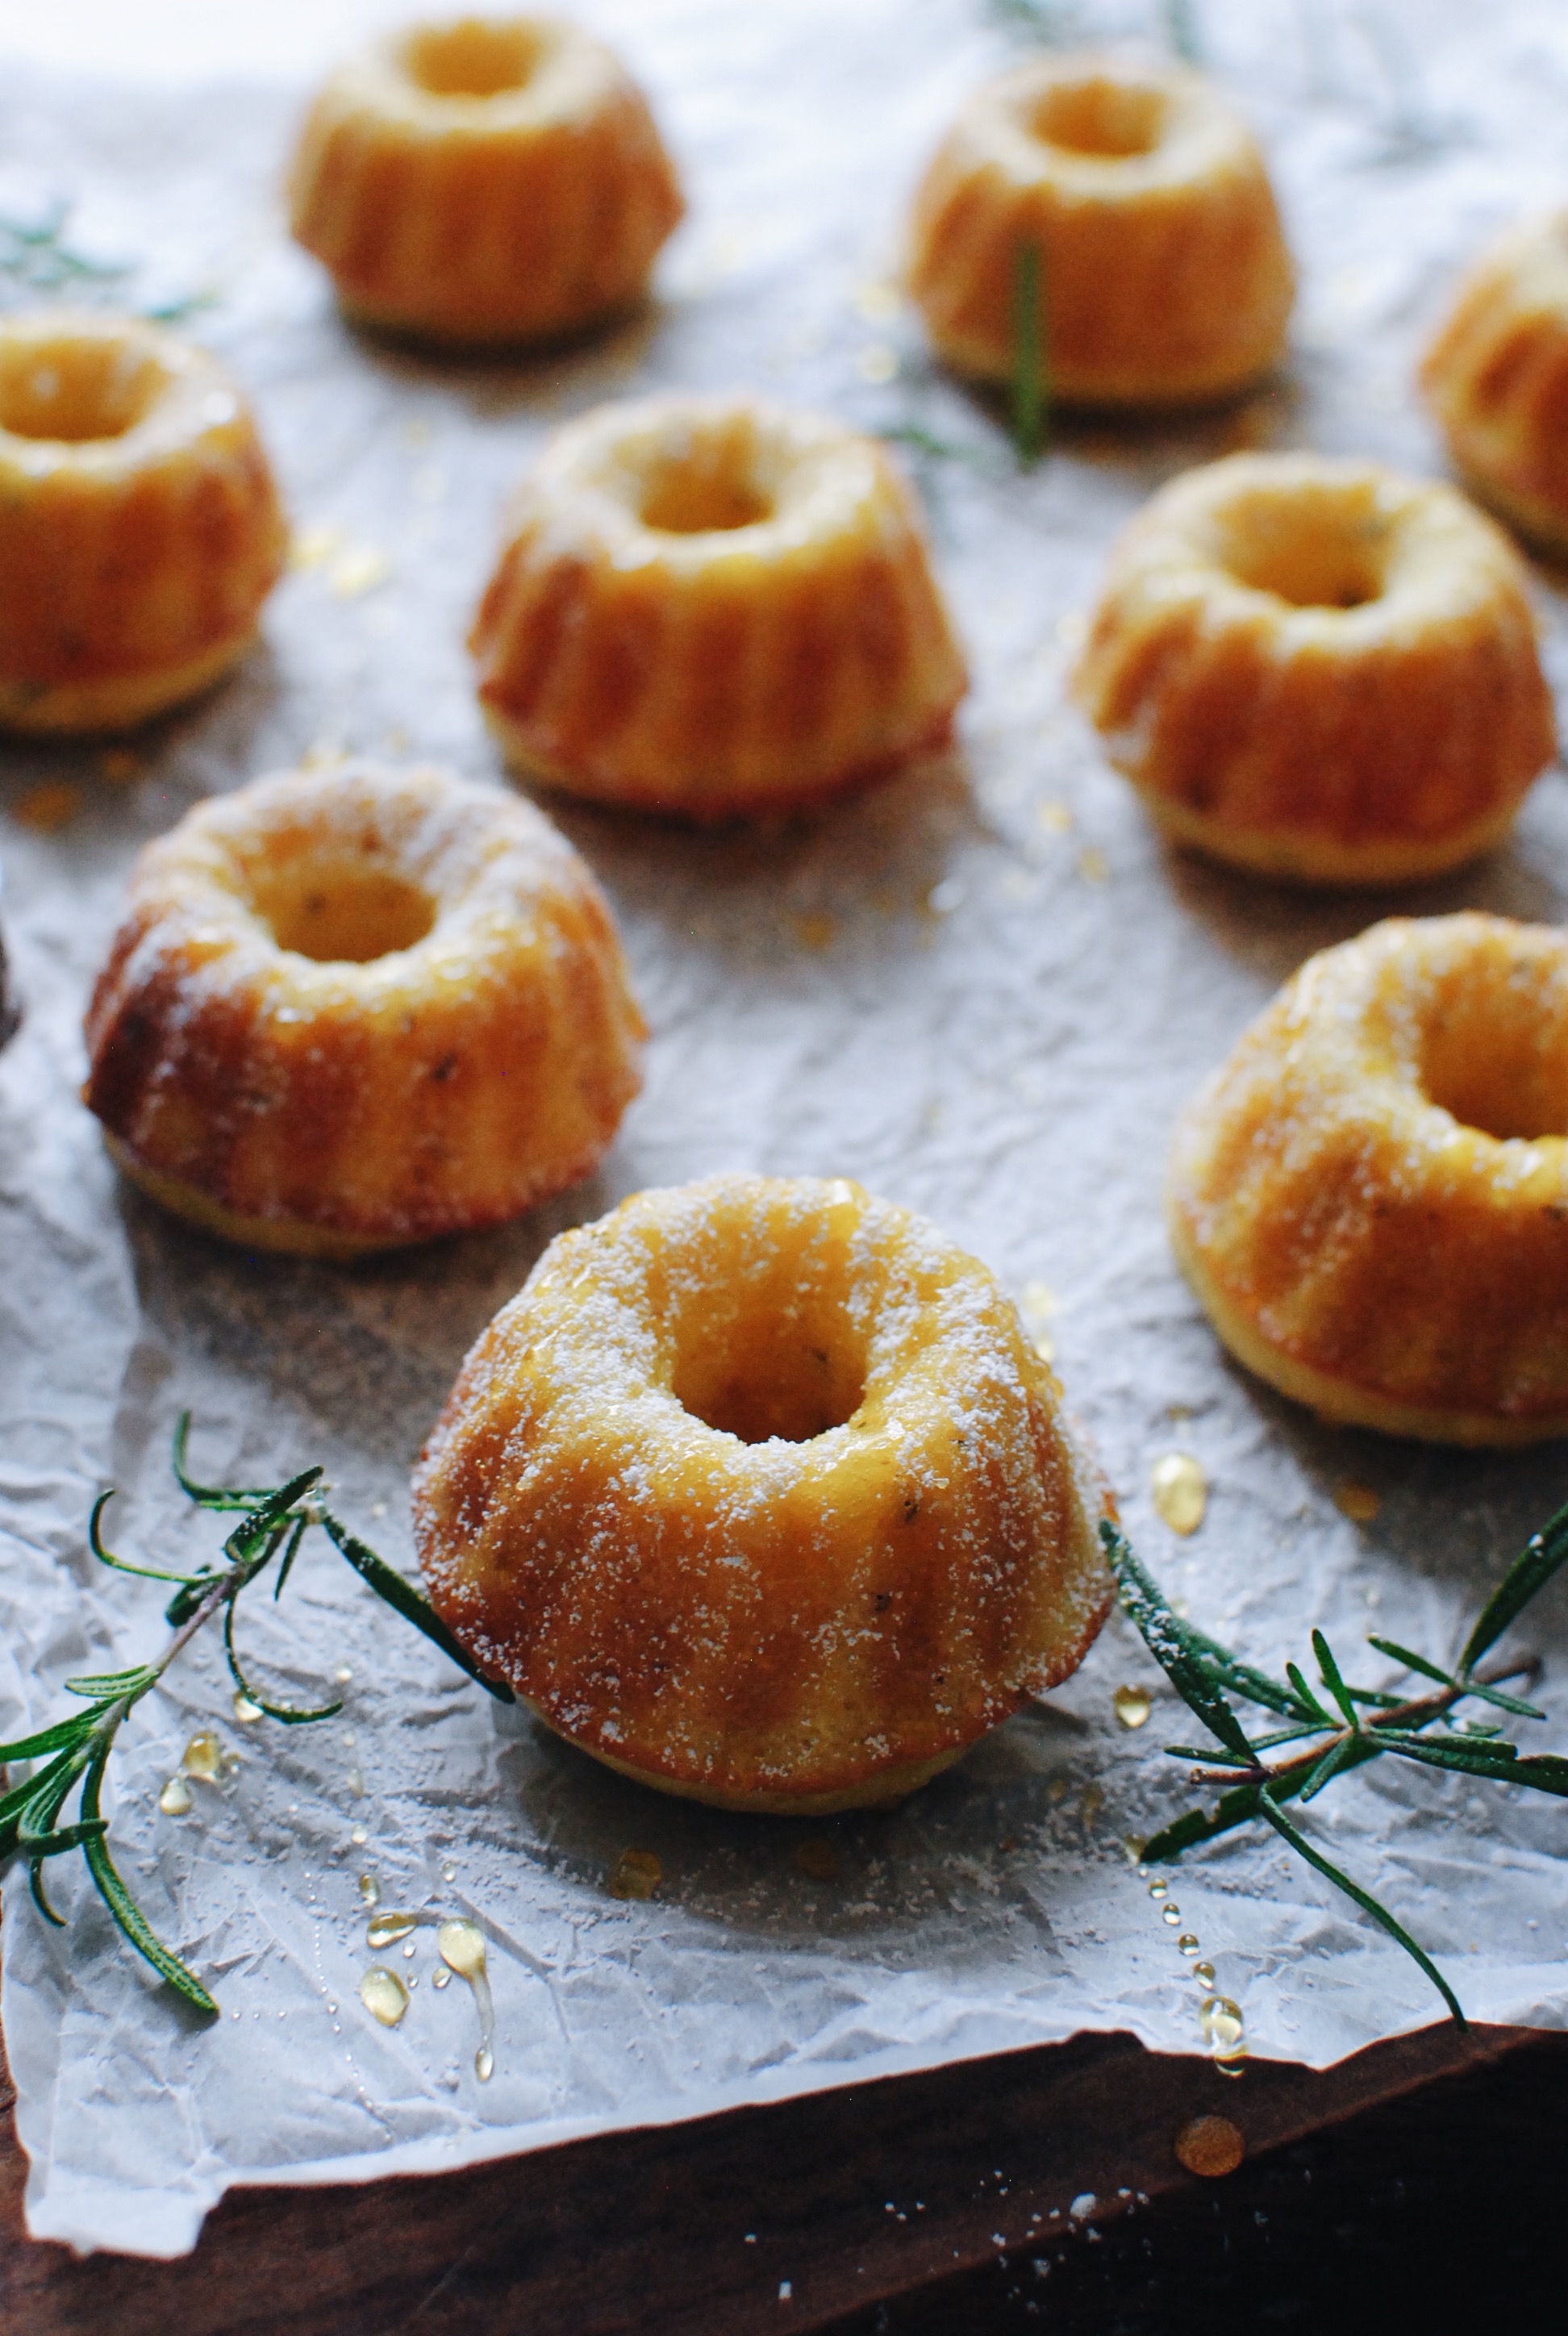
1360,1502
1159,1889
1179,1491
245,1711
637,1874
1187,1944
1203,1973
442,1977
1210,2145
819,1859
815,929
1171,1913
1224,2031
387,1928
383,1995
370,1889
174,1800
359,1836
51,805
203,1757
462,1948
1132,1706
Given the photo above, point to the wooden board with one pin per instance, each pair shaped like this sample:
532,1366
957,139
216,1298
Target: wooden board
695,2230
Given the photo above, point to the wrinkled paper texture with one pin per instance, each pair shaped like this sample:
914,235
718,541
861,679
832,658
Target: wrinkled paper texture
983,989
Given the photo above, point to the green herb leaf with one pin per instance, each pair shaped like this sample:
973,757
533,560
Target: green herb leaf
291,1715
48,1739
211,1496
1545,1772
1332,1680
123,1907
1228,1670
1530,1570
107,1557
1170,1642
1516,1704
109,1687
290,1554
1306,1697
1412,1662
1335,1758
405,1600
1270,1810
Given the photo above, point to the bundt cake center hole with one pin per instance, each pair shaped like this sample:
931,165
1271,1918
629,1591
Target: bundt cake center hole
74,391
1107,117
473,59
1314,559
698,494
790,1370
345,914
1494,1057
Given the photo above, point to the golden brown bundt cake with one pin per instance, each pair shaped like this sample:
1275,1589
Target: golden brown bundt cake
354,1009
1370,1197
488,180
711,605
1320,670
757,1493
1496,379
1162,275
140,528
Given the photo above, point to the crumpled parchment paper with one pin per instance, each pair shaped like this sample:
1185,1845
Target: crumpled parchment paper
983,989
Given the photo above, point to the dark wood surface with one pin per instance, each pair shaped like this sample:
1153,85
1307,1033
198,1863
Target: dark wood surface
695,2230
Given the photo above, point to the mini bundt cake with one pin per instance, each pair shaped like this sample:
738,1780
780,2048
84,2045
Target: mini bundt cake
484,180
711,605
1320,670
140,528
758,1494
355,1008
1496,379
1162,275
1370,1198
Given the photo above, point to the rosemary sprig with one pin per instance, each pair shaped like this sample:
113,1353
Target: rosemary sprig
273,1522
1031,386
1344,1727
37,262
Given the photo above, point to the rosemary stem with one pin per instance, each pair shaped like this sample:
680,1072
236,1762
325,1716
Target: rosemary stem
1399,1715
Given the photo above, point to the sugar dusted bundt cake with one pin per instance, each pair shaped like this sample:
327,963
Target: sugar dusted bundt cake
758,1494
354,1009
140,528
1496,379
1370,1197
486,180
712,606
1162,274
1320,670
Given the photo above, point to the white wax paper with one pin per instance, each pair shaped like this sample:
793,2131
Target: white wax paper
983,989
